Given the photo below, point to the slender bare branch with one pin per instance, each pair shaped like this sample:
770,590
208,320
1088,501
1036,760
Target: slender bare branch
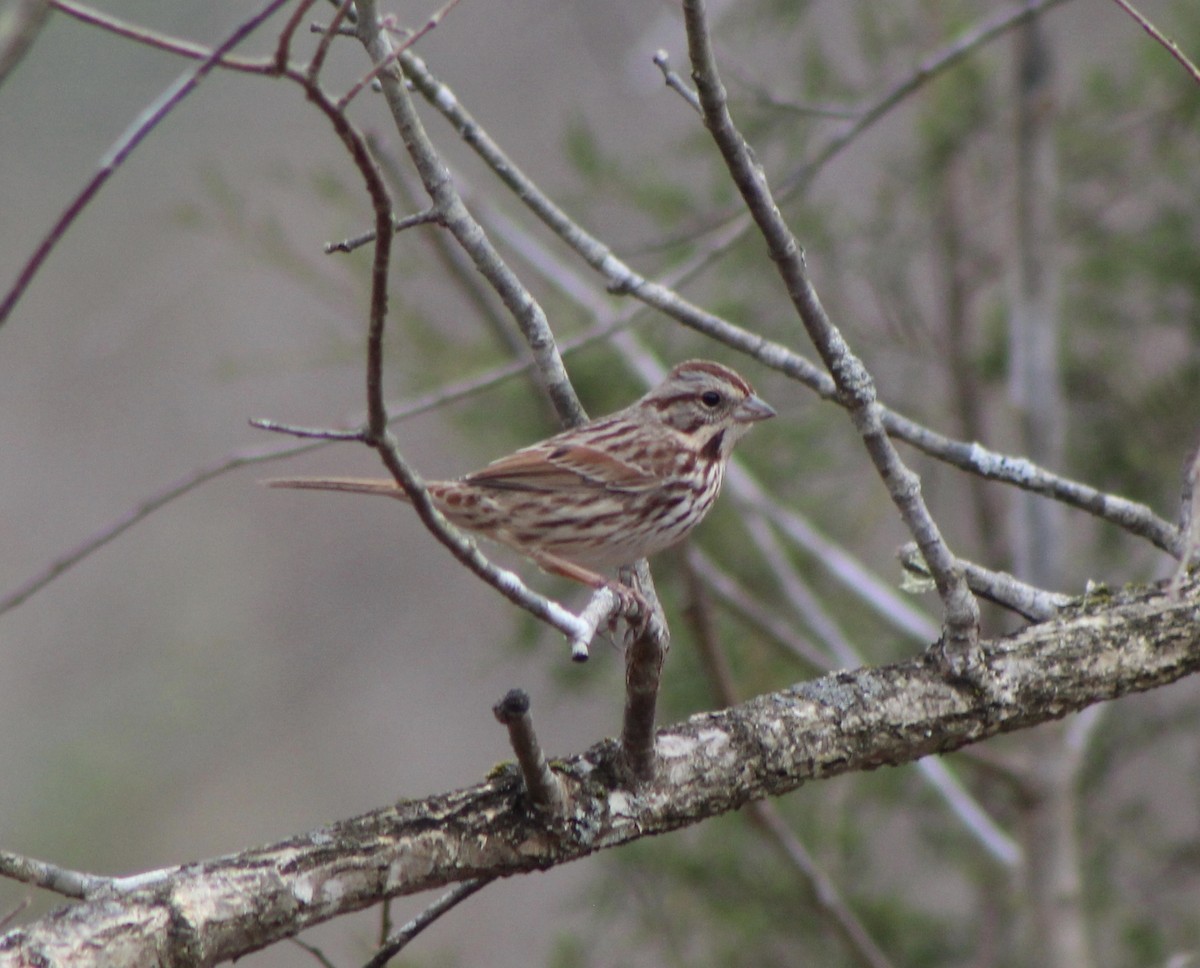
159,41
313,71
283,45
122,148
412,38
1000,588
1159,37
427,217
447,902
676,83
970,456
855,386
461,224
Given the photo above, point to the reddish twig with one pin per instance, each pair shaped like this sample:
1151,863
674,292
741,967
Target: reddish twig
391,58
1171,47
146,122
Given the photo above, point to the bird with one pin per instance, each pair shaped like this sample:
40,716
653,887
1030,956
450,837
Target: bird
606,493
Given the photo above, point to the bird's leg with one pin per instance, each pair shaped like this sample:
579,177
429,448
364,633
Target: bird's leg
633,604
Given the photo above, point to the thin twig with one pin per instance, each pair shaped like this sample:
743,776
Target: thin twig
308,433
543,787
399,225
451,899
152,38
999,588
124,146
50,877
764,813
9,917
283,46
321,958
600,608
520,303
408,42
676,83
313,70
866,116
377,433
1131,516
854,383
1171,47
748,607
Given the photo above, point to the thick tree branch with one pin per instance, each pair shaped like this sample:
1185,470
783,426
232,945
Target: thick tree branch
1101,648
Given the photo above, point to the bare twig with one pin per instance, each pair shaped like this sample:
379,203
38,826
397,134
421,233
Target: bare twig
319,956
124,146
399,225
747,606
313,71
459,222
766,816
970,456
545,791
1000,588
764,813
933,66
50,877
854,384
676,83
600,608
451,899
152,38
867,115
8,917
1171,47
308,433
412,38
283,46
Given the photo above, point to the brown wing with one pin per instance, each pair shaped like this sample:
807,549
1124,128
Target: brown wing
562,467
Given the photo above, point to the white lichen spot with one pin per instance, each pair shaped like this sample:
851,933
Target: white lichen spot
305,890
618,803
396,874
714,740
672,747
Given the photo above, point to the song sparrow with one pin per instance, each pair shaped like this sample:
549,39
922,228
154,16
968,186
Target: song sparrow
605,494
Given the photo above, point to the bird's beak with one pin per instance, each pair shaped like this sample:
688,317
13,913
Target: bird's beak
753,409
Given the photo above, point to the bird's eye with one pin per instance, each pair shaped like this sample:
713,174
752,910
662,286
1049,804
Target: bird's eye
710,398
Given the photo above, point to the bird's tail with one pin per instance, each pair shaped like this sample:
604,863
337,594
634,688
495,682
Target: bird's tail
352,485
